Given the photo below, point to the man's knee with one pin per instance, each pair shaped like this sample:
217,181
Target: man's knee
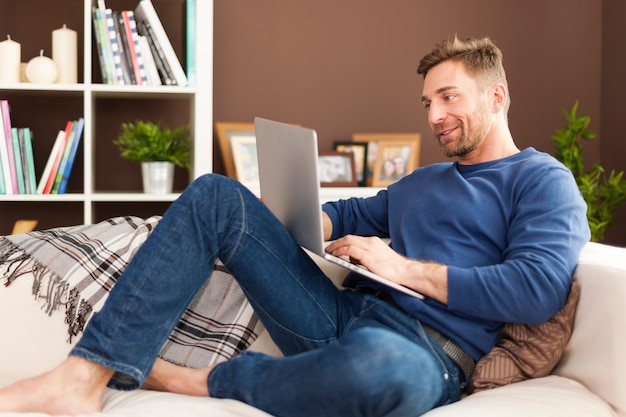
395,371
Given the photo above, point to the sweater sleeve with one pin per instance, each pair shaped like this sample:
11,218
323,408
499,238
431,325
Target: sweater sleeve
548,228
359,216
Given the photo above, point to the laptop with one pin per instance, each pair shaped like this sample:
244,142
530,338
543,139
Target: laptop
289,185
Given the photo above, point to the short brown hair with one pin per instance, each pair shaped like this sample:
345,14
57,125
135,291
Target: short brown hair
481,57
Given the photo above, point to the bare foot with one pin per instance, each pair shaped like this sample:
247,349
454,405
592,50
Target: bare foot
165,376
75,387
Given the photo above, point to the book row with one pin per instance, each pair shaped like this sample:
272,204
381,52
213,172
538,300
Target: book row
17,165
133,47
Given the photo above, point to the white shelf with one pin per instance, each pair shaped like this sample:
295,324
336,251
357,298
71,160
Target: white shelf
200,111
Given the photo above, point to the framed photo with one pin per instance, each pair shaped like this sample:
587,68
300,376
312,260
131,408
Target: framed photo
359,149
245,160
337,169
394,160
375,139
227,133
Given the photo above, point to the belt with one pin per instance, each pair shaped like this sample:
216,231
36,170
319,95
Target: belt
463,360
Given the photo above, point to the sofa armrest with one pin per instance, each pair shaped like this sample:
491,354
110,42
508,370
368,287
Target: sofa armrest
594,354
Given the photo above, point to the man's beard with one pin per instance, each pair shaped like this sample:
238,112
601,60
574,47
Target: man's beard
469,139
461,148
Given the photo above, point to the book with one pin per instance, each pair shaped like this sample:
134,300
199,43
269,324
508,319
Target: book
58,156
30,160
65,155
145,11
8,139
103,49
7,185
2,189
24,170
118,70
152,74
6,120
78,133
165,72
127,62
190,34
98,48
17,156
56,148
133,44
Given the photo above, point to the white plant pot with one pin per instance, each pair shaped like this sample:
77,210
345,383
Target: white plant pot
158,177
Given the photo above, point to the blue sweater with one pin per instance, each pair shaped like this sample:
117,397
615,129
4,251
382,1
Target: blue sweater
510,232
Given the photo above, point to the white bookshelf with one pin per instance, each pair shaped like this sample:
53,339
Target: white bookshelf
89,92
198,98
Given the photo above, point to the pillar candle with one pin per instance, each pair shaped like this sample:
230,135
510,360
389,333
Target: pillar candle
10,59
65,54
41,69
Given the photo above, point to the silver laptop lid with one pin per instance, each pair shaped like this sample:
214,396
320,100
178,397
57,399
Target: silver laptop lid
288,178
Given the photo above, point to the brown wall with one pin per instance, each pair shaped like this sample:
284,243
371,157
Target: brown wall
612,143
346,66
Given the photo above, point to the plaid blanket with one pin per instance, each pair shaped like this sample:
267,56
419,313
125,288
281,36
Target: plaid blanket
74,268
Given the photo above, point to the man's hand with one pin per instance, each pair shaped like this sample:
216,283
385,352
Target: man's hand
428,278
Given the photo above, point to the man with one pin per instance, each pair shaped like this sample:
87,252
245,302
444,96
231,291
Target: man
492,237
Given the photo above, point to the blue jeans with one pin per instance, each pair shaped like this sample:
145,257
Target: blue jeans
346,354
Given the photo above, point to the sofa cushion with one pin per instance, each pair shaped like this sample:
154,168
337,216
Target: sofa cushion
550,396
141,403
526,351
73,268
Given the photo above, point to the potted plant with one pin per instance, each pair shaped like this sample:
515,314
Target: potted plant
158,148
602,192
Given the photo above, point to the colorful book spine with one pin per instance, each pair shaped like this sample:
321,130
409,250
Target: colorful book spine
133,37
58,157
152,74
17,156
127,62
118,70
190,32
6,120
56,148
165,72
7,186
66,152
145,11
99,46
2,189
78,133
30,160
107,57
24,170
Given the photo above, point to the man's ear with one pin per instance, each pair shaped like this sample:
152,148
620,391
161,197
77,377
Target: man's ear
498,96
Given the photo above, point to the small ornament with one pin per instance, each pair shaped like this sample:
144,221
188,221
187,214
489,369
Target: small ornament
41,70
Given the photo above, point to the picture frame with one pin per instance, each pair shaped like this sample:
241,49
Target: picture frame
337,169
394,160
228,132
245,160
374,139
359,149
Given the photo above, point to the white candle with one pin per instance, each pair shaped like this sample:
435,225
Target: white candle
41,69
10,58
65,54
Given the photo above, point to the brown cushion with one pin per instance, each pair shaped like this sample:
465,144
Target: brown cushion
526,351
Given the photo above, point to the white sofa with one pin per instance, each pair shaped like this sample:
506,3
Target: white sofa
588,381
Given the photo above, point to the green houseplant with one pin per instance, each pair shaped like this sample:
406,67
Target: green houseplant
602,192
149,142
158,149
